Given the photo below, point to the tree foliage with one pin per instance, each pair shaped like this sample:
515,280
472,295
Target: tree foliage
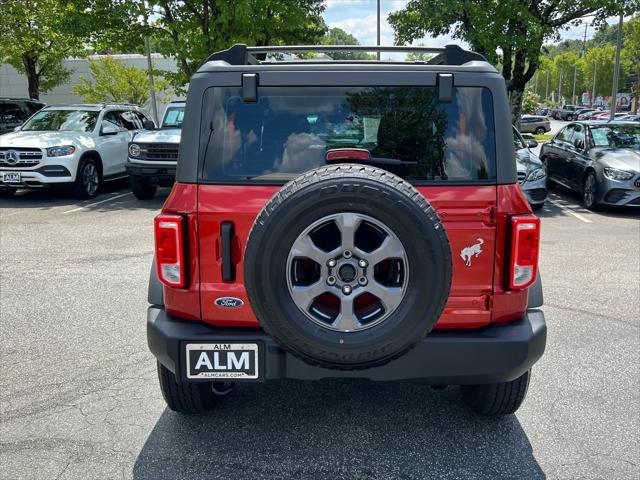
337,36
193,29
114,81
510,32
37,35
530,102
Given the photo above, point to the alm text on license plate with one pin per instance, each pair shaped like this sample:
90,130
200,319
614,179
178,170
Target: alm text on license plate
222,361
12,177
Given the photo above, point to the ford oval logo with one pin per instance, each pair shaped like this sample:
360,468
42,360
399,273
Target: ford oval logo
229,302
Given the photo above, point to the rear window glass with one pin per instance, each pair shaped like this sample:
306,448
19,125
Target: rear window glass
406,130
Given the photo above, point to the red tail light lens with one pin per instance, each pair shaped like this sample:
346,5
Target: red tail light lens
170,258
525,245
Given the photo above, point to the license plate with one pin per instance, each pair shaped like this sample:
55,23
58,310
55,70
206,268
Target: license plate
12,177
224,361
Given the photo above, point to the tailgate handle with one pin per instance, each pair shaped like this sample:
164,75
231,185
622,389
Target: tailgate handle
228,268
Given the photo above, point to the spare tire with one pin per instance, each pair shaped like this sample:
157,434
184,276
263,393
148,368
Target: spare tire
347,267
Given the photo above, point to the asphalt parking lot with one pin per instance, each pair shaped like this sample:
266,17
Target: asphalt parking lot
80,399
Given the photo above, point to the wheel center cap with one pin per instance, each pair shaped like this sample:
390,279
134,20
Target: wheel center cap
347,273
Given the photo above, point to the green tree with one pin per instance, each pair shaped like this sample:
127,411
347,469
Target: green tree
114,81
419,56
602,59
191,30
566,66
631,53
37,35
337,36
530,102
510,32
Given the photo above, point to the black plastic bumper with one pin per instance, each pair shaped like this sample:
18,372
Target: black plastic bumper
491,354
162,175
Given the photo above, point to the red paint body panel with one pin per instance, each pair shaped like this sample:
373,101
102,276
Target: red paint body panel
467,213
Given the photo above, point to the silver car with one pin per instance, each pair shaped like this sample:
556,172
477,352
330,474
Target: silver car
534,124
532,176
600,160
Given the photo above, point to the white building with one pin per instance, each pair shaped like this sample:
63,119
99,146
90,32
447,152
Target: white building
14,84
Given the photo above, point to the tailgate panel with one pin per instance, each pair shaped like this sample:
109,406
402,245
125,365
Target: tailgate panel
467,213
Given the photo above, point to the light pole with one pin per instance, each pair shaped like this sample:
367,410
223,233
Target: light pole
616,71
546,90
593,91
378,32
152,89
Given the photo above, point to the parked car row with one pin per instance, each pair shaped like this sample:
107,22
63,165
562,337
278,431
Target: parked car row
598,159
79,147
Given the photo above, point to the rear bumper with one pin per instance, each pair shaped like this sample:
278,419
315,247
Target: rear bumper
153,174
491,354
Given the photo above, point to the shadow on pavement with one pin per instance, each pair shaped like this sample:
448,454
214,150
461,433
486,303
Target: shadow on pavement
573,200
337,429
45,199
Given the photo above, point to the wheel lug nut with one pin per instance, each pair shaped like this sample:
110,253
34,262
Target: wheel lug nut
346,289
331,280
347,254
362,263
362,280
331,263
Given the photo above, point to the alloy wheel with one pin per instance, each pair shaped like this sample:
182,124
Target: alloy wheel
347,272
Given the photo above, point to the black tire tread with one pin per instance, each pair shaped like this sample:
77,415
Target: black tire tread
497,398
364,172
142,190
185,397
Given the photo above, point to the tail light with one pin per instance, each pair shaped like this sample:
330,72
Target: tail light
170,249
525,245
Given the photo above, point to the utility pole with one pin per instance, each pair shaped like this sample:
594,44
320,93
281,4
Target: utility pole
593,91
559,87
616,72
546,90
378,33
152,90
573,92
575,67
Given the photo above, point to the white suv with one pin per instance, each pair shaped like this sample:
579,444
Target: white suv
70,146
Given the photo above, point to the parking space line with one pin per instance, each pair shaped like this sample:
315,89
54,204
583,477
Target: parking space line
568,210
97,203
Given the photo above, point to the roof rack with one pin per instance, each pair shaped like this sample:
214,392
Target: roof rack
240,54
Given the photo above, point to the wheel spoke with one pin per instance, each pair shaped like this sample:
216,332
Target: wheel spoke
304,247
389,296
390,248
304,296
348,223
346,321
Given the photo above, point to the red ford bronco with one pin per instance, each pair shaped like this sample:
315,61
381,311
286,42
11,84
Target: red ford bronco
346,219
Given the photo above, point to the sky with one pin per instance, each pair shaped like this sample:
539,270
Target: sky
358,17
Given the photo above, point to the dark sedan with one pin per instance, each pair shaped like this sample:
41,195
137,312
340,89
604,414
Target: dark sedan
601,160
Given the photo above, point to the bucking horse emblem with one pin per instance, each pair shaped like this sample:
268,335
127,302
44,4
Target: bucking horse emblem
473,251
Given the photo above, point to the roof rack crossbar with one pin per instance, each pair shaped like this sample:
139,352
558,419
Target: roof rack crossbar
240,54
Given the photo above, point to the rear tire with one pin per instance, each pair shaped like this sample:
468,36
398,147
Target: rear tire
496,398
537,207
540,131
185,397
142,190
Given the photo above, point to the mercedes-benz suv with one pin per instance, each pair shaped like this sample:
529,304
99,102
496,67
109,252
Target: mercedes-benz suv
72,147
